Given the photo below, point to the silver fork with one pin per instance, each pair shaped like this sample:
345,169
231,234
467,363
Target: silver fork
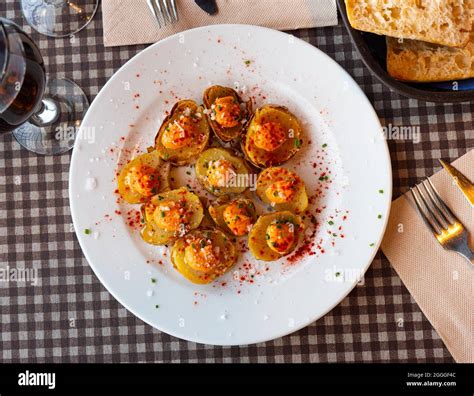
439,219
165,11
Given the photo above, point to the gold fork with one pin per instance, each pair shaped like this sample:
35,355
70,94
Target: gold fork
439,219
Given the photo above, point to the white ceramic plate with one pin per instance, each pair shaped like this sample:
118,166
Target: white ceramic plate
344,162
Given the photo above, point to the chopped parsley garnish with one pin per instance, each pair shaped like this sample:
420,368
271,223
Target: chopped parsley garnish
324,145
381,191
298,143
267,237
337,273
157,306
247,62
203,243
87,231
163,214
153,280
330,222
372,244
379,216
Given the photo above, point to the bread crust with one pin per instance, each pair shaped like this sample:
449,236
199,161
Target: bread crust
445,22
416,61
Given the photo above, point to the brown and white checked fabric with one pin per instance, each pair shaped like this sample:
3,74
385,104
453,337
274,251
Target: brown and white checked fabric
70,317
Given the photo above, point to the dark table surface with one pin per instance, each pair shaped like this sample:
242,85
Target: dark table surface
70,317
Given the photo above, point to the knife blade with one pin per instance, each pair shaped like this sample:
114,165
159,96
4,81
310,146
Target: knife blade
209,6
461,181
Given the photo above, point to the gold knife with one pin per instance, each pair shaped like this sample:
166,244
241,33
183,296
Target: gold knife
462,181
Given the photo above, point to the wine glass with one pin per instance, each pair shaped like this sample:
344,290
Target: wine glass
59,18
44,116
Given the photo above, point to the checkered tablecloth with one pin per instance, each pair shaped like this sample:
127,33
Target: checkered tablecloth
70,317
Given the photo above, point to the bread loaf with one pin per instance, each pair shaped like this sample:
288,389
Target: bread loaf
444,22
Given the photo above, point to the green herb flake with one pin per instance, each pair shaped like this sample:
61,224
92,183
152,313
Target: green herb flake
87,231
379,216
381,191
298,143
337,274
372,244
330,222
247,62
157,306
153,280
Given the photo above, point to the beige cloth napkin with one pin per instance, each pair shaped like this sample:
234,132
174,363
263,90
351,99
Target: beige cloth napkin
129,22
441,282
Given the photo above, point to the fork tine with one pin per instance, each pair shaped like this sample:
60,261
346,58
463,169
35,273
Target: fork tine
442,206
160,12
432,216
433,207
166,15
174,10
154,10
424,214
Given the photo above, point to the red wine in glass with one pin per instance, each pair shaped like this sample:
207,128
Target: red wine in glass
43,115
24,83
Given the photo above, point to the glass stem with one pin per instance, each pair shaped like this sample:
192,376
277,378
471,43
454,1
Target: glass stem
47,114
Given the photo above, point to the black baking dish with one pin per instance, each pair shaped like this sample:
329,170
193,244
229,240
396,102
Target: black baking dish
373,50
